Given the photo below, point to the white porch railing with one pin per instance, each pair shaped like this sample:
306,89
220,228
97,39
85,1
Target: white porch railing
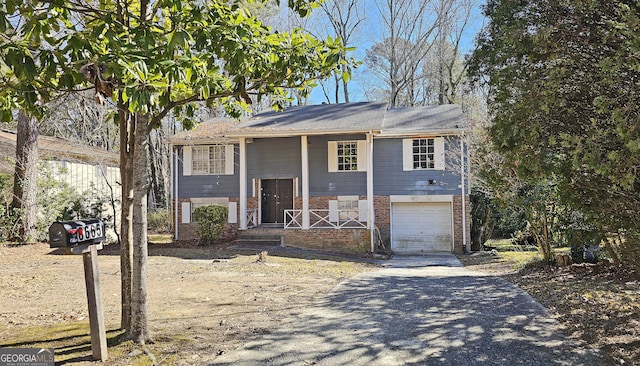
252,218
324,219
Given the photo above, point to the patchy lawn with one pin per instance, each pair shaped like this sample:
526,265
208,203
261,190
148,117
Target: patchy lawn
203,301
597,304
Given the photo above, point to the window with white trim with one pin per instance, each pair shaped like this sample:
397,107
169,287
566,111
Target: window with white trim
423,154
348,209
347,156
188,208
208,160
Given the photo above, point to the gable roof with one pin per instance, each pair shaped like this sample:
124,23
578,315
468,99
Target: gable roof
327,119
315,119
54,148
441,119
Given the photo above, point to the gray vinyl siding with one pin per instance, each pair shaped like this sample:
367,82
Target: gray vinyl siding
273,158
324,183
281,158
390,179
208,185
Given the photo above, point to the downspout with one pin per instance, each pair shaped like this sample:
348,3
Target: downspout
463,196
304,145
370,206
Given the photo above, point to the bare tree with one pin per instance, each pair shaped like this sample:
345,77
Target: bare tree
76,117
450,63
408,28
345,16
419,60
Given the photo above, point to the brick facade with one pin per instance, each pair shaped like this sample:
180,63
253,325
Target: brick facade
334,240
457,223
188,231
337,240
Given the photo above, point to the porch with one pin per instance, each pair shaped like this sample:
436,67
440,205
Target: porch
329,230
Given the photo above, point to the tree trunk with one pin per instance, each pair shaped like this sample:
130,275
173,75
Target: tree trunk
126,235
157,178
345,87
139,331
25,179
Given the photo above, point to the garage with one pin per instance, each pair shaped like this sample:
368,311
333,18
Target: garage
421,227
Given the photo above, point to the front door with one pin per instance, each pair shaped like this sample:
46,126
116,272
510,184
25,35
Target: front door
277,196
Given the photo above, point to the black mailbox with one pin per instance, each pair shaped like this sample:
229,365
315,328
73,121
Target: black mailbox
63,234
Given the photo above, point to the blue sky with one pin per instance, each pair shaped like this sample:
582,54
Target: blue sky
370,33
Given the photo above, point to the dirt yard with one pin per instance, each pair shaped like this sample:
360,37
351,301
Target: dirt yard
203,301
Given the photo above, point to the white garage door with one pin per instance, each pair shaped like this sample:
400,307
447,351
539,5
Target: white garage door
421,227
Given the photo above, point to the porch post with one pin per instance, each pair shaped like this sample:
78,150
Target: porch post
243,184
305,182
465,248
174,190
370,211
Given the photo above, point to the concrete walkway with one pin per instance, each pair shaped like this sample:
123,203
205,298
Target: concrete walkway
417,311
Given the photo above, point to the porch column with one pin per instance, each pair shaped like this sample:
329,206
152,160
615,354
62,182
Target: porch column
243,184
305,182
370,207
465,248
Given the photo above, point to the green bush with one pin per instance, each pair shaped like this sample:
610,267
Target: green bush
211,220
160,221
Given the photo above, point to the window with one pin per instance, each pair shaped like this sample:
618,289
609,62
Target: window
189,207
347,156
208,159
348,210
423,154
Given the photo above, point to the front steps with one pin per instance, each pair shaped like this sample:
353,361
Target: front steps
259,237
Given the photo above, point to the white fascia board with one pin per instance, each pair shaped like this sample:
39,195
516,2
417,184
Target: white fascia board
299,133
409,134
217,141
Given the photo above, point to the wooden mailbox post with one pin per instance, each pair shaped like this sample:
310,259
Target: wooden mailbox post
85,237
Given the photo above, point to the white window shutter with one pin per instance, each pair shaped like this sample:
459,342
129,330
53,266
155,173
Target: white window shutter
228,159
332,155
363,207
186,212
186,160
439,154
407,154
233,213
362,155
333,211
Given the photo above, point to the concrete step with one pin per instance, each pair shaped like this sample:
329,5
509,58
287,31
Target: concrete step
259,239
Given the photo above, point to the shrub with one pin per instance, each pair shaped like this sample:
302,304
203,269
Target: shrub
211,220
160,221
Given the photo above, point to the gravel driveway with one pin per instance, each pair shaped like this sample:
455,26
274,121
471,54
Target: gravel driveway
417,311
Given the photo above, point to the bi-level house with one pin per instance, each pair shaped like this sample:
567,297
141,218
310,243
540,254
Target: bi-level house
334,177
